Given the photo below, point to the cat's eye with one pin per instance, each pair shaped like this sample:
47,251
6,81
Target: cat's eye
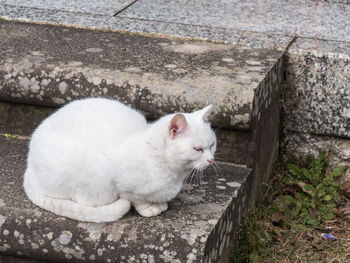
211,146
198,149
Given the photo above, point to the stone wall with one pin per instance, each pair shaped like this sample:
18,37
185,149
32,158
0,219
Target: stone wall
316,100
317,97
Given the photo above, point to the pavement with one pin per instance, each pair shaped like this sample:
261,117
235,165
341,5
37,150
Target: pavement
261,22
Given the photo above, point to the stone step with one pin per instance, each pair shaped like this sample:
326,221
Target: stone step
318,88
50,66
47,65
202,25
199,225
317,100
93,7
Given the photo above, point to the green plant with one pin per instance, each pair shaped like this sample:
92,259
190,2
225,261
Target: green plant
8,135
312,193
258,230
299,198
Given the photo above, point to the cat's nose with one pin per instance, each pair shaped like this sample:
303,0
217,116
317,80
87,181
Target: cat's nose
210,160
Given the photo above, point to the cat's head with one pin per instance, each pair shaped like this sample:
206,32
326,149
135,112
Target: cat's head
191,143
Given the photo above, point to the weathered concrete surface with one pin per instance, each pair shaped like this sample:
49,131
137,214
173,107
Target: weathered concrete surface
198,227
317,99
265,137
22,119
51,66
101,7
234,146
301,144
121,23
334,1
288,17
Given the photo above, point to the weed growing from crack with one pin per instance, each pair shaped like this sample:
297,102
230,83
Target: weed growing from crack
299,200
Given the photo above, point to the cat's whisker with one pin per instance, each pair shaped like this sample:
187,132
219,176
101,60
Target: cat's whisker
193,174
187,178
201,177
189,174
214,168
197,174
197,180
218,169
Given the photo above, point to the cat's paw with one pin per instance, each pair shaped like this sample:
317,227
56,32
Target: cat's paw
148,210
163,206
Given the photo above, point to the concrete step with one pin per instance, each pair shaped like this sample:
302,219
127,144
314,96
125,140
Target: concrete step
93,7
318,88
202,26
50,66
198,227
317,100
301,18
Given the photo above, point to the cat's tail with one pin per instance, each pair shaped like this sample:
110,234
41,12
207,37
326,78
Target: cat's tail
74,210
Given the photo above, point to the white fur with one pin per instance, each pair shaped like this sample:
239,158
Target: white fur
93,158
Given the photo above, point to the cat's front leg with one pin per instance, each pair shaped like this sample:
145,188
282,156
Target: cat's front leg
150,209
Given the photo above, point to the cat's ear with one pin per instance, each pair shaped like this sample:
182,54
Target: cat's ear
205,113
178,124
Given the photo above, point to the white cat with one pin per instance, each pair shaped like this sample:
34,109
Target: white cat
94,158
